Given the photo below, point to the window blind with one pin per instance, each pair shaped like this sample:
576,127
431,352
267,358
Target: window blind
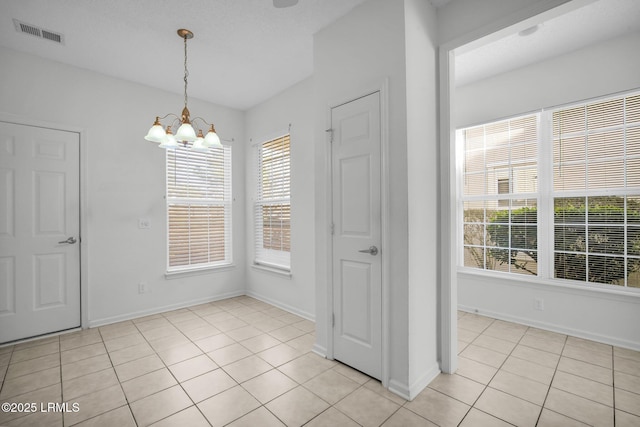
272,208
198,208
589,204
499,198
596,162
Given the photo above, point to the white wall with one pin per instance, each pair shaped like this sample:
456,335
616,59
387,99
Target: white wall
598,70
605,68
125,180
293,106
423,184
608,317
353,57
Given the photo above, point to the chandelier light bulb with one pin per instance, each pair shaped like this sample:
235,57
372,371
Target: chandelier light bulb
212,139
156,133
170,141
186,133
199,145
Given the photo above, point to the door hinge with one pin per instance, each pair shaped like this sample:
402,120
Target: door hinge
333,320
330,131
333,229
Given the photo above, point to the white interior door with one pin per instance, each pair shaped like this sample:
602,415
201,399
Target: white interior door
39,231
357,260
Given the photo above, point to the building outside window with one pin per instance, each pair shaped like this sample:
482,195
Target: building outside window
581,220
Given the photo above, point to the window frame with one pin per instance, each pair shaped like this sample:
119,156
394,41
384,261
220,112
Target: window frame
493,172
546,195
279,195
224,200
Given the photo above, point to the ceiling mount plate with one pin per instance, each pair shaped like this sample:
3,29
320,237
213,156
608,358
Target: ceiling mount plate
185,34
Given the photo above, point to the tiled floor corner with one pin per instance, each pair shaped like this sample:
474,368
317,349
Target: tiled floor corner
242,362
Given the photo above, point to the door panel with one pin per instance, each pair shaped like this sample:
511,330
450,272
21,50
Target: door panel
355,303
49,280
357,274
39,211
356,203
7,285
49,203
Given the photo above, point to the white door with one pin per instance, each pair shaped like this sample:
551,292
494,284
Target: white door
357,260
39,231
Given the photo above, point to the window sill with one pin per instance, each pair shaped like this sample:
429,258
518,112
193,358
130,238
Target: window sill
273,270
610,291
197,271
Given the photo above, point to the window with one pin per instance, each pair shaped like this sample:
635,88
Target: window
272,209
499,195
198,208
590,202
596,189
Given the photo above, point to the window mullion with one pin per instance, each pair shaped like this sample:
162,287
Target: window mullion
545,196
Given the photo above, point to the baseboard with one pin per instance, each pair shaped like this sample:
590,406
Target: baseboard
319,350
134,315
578,333
409,392
280,305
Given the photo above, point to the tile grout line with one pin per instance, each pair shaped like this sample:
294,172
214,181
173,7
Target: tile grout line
555,371
6,371
566,344
204,353
613,381
171,372
485,385
114,372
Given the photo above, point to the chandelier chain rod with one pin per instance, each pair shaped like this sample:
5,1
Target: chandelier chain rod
186,72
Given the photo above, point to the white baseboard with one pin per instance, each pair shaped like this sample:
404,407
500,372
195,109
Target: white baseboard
578,333
409,392
134,315
278,304
319,350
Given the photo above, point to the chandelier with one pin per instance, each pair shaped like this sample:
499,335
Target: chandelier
186,132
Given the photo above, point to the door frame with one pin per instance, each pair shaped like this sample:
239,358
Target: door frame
446,106
82,193
383,89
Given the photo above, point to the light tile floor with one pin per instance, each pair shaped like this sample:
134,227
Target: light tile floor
242,362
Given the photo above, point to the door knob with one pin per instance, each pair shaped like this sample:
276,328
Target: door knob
71,240
371,251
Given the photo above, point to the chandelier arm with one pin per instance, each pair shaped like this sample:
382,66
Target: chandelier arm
175,119
202,120
167,115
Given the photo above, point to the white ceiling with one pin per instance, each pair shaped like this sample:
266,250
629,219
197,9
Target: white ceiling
246,51
595,22
243,52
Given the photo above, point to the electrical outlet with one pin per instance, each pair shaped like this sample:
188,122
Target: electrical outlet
538,304
143,288
144,223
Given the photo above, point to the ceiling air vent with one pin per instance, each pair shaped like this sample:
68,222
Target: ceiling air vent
24,28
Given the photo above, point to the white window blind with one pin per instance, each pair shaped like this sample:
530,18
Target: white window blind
499,197
198,208
272,208
596,191
586,210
